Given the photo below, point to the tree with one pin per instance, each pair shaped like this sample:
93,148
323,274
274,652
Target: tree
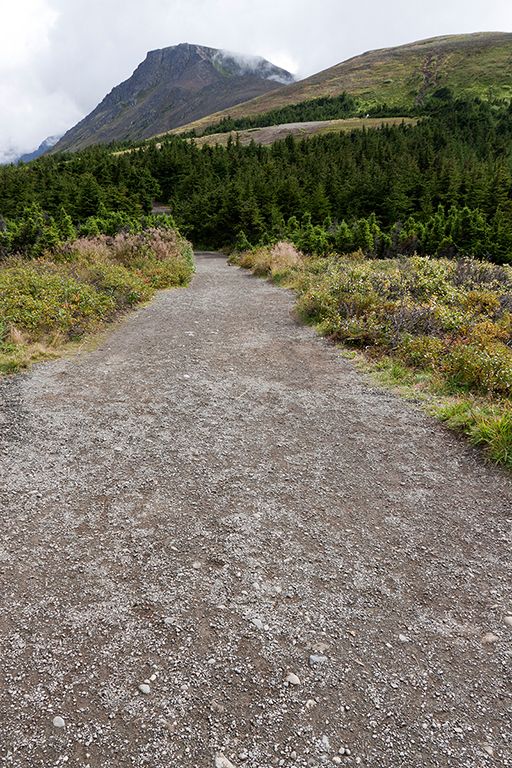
89,196
64,225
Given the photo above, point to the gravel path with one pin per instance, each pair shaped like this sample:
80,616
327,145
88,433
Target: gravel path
221,547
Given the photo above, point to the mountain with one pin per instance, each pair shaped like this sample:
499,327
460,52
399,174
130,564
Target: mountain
477,64
43,147
9,156
171,87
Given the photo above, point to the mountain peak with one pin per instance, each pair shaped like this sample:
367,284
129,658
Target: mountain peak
172,87
227,63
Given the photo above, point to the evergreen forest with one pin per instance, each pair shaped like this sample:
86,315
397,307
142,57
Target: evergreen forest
442,187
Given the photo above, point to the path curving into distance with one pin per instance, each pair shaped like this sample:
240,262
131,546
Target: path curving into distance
298,568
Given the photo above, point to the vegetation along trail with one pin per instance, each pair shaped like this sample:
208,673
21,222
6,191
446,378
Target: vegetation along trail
222,547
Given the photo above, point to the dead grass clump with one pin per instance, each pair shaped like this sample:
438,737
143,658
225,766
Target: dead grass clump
15,336
274,261
126,248
284,257
89,249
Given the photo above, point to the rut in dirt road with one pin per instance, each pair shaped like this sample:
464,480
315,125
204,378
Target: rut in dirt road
221,546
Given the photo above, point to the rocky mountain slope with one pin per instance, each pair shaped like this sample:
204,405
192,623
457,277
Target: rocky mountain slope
171,87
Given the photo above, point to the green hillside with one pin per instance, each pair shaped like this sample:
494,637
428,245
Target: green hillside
402,78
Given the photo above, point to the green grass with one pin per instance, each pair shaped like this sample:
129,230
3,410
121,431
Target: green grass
437,331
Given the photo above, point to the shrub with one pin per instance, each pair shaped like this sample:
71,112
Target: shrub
450,317
276,261
38,297
85,283
479,367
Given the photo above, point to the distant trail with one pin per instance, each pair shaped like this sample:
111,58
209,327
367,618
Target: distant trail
215,505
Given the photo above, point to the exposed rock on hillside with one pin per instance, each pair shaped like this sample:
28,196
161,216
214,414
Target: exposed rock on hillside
174,86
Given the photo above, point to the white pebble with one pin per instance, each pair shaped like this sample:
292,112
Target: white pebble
258,623
223,762
58,722
508,621
153,678
292,679
336,760
490,637
144,688
404,639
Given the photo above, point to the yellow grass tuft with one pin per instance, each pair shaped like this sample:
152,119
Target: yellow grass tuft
271,261
16,336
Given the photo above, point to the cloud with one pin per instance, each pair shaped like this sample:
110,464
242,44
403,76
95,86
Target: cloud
28,107
26,25
59,58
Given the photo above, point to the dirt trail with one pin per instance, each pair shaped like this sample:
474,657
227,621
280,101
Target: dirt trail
272,133
303,569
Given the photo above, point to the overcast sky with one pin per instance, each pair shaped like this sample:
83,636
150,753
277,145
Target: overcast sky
59,58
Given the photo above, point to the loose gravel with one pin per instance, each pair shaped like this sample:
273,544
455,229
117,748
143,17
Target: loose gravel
222,547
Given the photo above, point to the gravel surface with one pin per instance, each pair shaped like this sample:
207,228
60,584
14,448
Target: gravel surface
221,546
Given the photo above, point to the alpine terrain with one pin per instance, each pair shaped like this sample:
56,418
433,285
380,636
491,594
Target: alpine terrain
171,87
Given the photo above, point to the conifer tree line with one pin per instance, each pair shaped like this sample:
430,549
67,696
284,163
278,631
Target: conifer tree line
441,187
323,108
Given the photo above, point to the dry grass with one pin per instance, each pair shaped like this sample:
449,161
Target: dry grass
267,136
275,261
16,337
